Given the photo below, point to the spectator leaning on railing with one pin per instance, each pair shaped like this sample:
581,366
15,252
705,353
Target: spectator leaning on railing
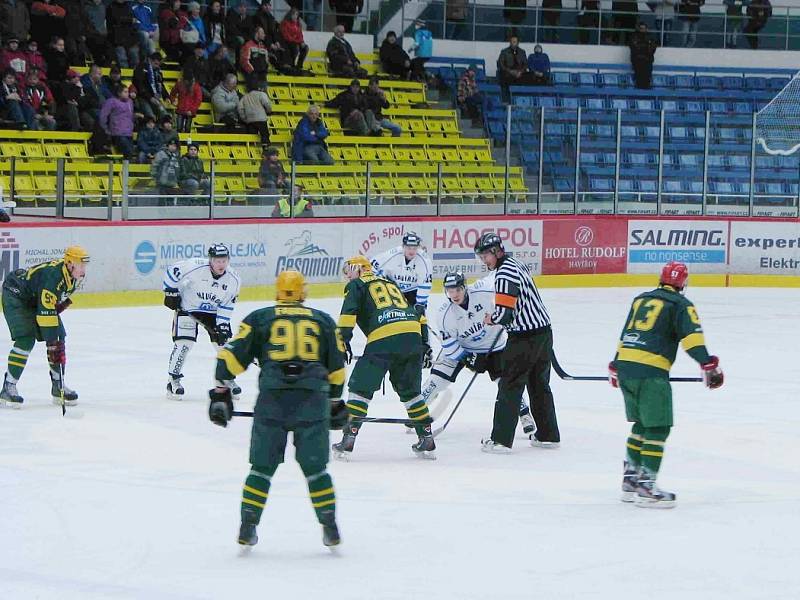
346,11
394,60
551,17
665,18
588,20
733,21
511,66
191,175
342,61
308,142
689,16
470,100
625,16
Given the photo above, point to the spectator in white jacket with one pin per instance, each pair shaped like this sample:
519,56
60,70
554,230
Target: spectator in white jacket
225,102
254,108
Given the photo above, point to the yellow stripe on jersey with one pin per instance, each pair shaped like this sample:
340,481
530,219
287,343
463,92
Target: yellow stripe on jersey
347,321
337,377
46,321
323,503
324,492
231,362
394,329
255,492
651,453
693,340
253,502
643,357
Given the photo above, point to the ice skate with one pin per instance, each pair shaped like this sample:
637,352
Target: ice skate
330,532
174,387
526,420
649,495
489,446
247,534
536,443
70,396
342,450
9,394
425,446
630,479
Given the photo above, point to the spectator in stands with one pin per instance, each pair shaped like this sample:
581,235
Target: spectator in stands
110,82
346,12
12,107
225,102
665,19
116,119
191,175
47,21
302,206
57,63
311,13
254,59
551,17
538,67
588,21
272,177
376,103
15,20
238,27
455,14
73,110
254,108
75,31
352,105
267,21
146,27
422,49
165,170
308,142
186,95
96,31
394,60
123,34
171,21
342,61
689,16
150,87
220,66
35,59
758,13
514,12
40,101
12,57
197,65
292,33
643,52
733,21
194,32
168,132
470,100
92,83
214,21
625,16
149,141
511,66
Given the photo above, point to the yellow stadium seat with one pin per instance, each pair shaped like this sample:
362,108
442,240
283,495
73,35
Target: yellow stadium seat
418,155
350,154
402,154
451,184
368,154
255,152
330,184
436,155
484,155
382,184
467,155
385,155
240,152
23,184
279,94
56,150
311,185
451,156
449,126
202,119
71,184
335,152
204,152
416,125
351,185
278,123
433,126
33,150
415,97
77,151
12,150
516,184
220,152
331,92
317,95
45,184
318,67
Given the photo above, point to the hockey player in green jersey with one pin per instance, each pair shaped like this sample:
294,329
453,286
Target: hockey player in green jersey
657,321
301,358
395,343
33,299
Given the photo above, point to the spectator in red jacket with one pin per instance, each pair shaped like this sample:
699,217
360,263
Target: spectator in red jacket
187,95
36,59
171,20
40,99
12,57
254,59
292,33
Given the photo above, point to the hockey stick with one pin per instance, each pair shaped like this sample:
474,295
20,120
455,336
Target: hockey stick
61,388
567,377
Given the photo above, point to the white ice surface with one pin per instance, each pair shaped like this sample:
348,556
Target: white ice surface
140,497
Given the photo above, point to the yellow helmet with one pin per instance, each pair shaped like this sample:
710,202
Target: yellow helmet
357,262
75,254
290,286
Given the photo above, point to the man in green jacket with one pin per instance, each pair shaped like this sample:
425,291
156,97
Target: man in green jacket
191,174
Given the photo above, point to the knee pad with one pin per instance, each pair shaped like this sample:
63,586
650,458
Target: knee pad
184,327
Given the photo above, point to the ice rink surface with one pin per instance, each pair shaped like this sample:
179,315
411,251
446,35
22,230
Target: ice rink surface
139,498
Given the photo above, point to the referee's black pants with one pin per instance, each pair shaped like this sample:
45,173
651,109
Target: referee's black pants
526,363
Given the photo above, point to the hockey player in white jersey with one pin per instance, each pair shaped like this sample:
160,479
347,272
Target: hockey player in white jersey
200,292
410,268
466,340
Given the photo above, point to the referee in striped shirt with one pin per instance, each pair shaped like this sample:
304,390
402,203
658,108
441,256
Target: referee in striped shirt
526,358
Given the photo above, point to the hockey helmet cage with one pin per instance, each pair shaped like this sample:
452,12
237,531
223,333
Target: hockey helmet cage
357,262
412,239
454,279
290,286
218,250
76,254
487,241
674,274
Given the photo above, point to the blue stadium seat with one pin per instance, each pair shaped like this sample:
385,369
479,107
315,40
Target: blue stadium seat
673,186
554,129
755,83
651,132
626,185
561,77
589,158
684,82
742,108
695,186
699,133
646,105
690,161
693,106
587,79
620,103
563,185
546,101
648,186
707,82
678,133
717,161
776,84
732,83
568,102
530,157
525,101
739,161
598,184
716,106
604,131
670,106
595,103
612,80
662,81
669,160
629,132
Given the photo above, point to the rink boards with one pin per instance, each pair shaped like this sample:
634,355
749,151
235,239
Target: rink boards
128,259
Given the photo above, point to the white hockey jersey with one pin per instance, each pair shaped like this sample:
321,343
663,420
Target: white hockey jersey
462,329
416,274
200,291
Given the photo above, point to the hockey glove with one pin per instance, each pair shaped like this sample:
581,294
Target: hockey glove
62,306
56,352
613,378
222,333
427,357
339,414
348,353
712,374
477,362
220,410
172,299
420,309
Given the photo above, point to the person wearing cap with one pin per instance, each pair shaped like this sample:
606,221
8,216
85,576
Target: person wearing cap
346,12
376,103
15,20
254,108
33,300
342,61
225,102
272,177
123,34
469,98
422,49
538,67
164,170
14,58
191,175
149,83
394,60
96,31
308,140
352,105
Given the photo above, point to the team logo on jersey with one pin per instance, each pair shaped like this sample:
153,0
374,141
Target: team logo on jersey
307,257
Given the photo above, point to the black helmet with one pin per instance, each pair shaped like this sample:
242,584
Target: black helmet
487,241
454,279
411,239
217,250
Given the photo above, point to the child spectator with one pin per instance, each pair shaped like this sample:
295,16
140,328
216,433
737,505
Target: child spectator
168,132
149,141
40,100
187,95
470,100
12,57
116,119
12,107
214,21
35,59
